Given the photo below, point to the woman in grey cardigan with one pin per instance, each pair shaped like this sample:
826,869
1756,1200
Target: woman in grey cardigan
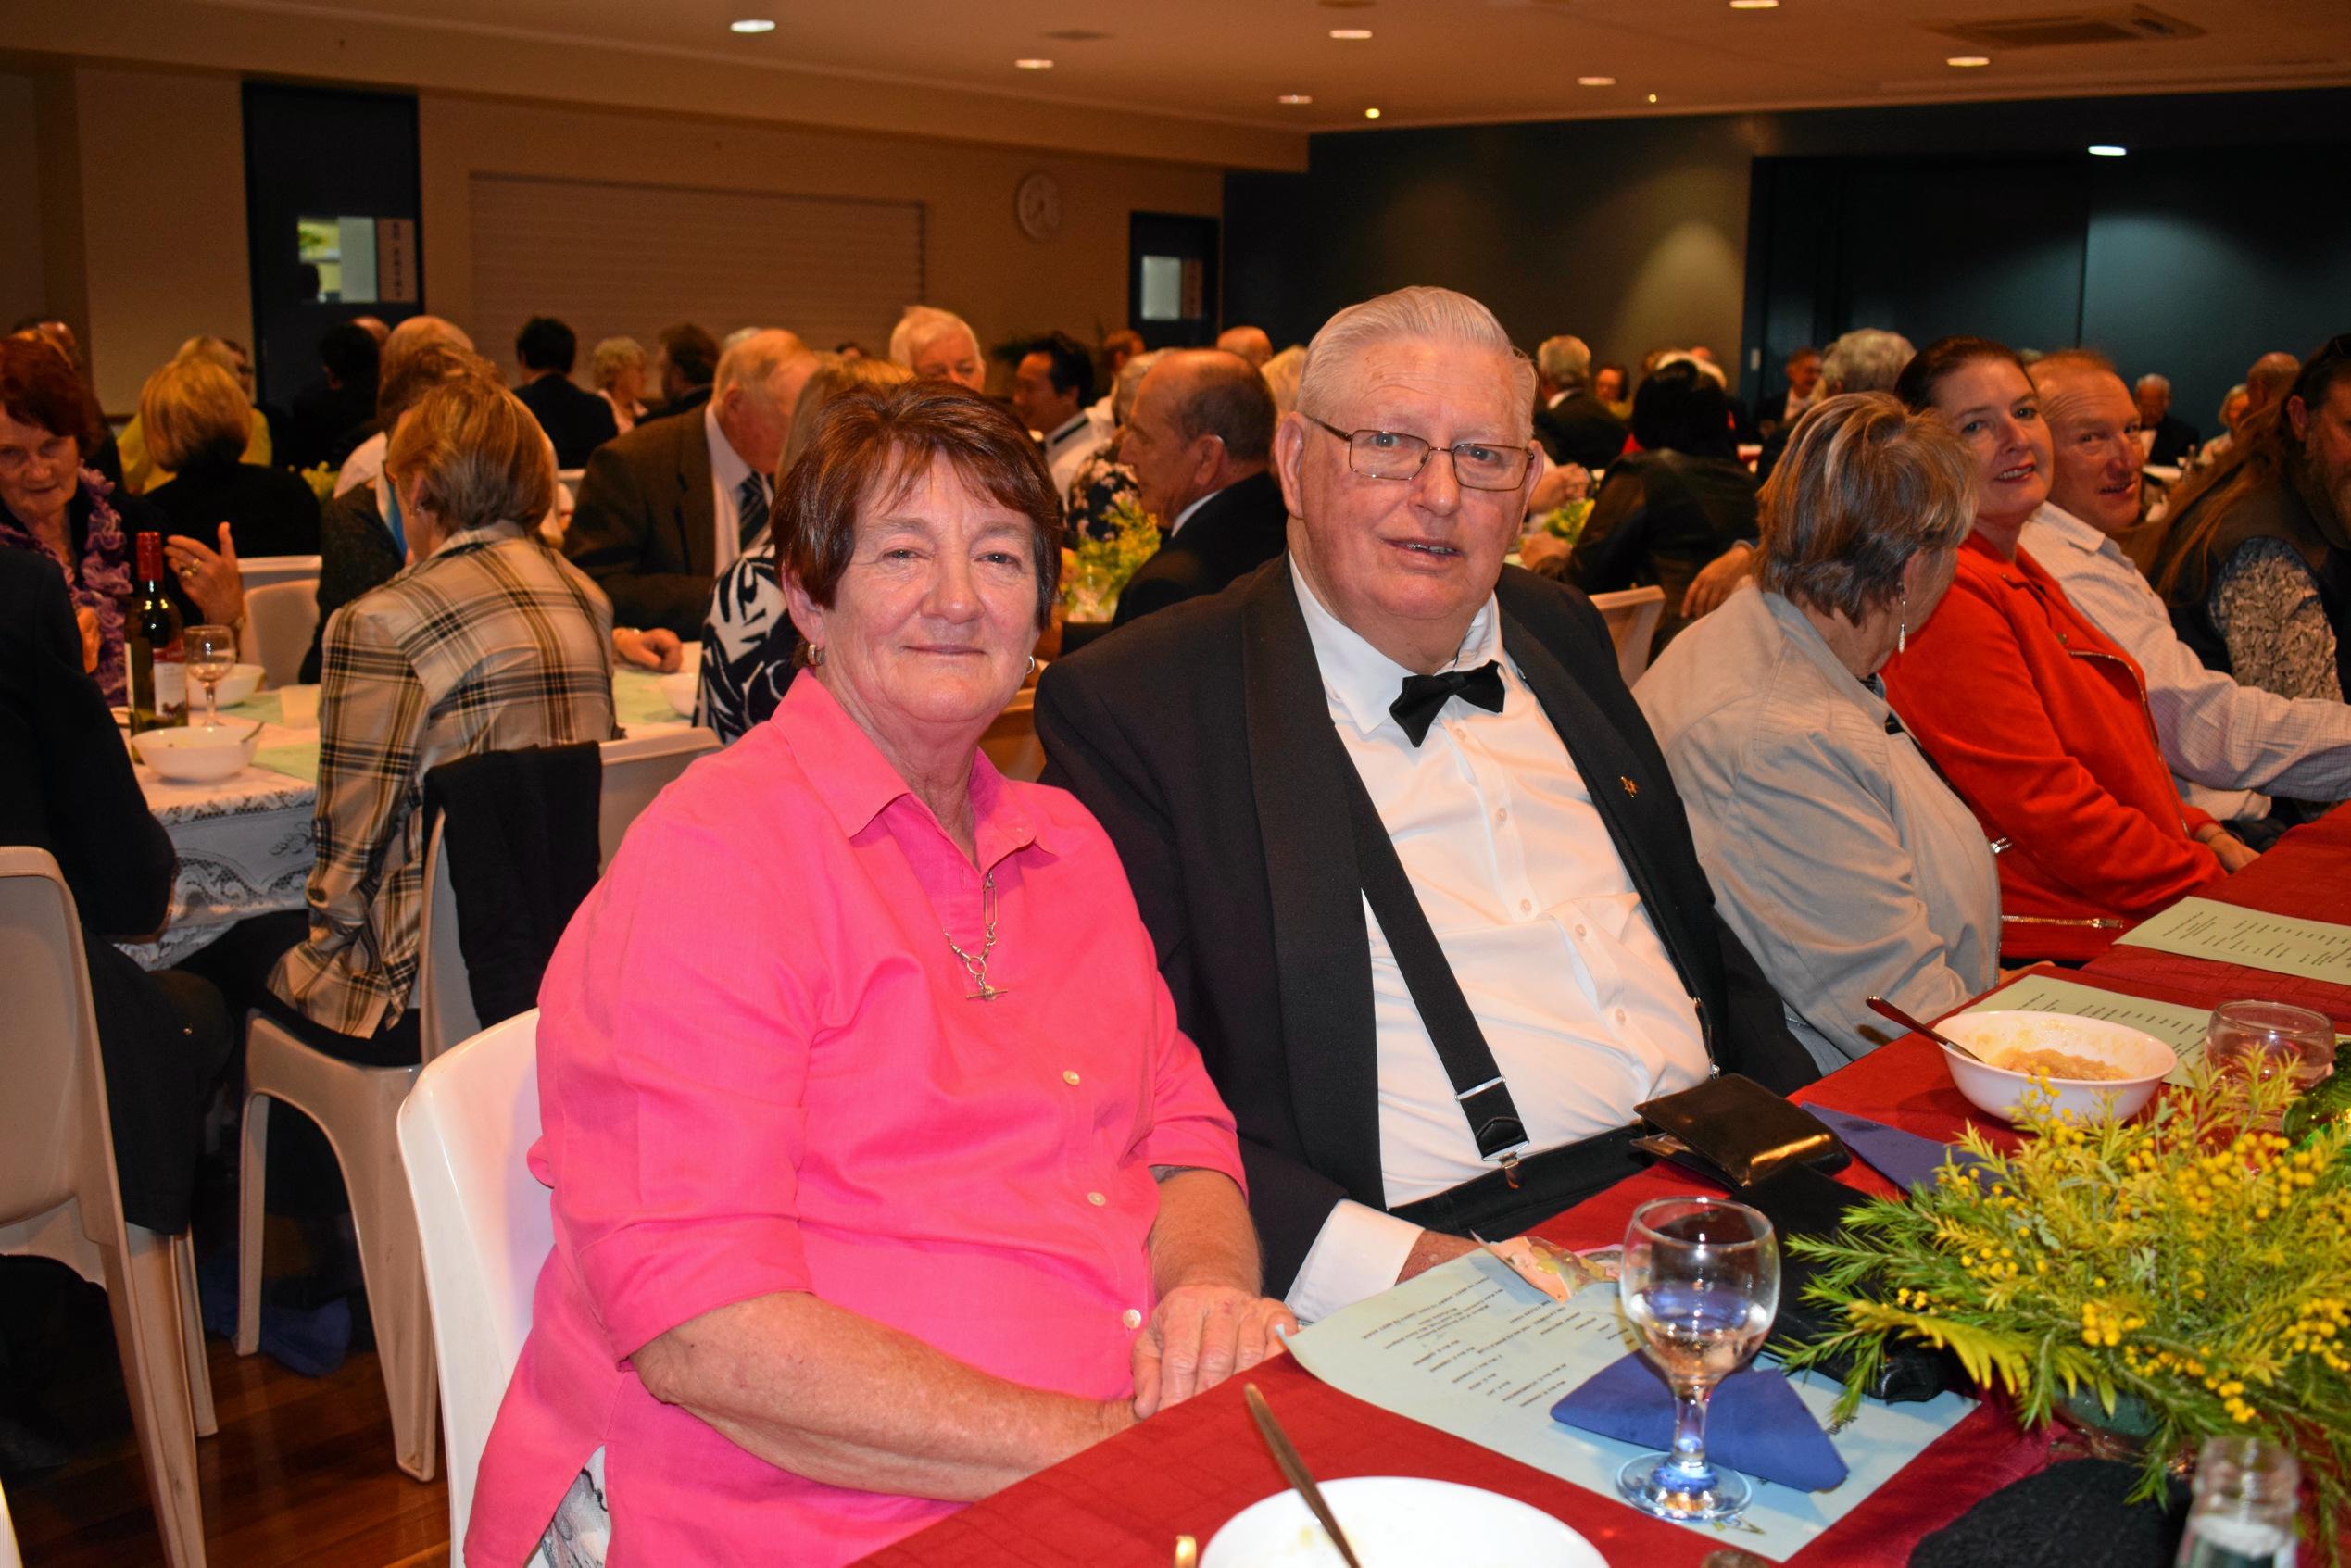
1838,856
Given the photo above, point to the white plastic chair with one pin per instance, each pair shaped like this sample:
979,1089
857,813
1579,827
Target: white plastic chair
59,1198
1632,616
280,618
9,1557
1010,741
487,1228
259,571
356,1108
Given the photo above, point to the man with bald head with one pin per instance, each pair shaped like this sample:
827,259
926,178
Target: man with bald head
1385,735
2225,743
1197,439
666,508
1250,342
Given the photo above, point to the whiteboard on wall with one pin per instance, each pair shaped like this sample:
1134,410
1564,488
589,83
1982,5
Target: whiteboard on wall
615,260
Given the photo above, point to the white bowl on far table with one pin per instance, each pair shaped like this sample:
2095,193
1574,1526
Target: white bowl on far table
235,686
678,691
1398,1522
1997,1090
199,753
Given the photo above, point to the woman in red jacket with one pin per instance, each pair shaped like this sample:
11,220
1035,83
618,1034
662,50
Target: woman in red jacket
2038,720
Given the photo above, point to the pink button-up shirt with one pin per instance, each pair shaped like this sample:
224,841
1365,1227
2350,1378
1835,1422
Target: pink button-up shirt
758,1072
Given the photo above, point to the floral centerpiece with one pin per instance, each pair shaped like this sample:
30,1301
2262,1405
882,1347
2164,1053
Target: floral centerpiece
1563,522
1091,588
2176,1278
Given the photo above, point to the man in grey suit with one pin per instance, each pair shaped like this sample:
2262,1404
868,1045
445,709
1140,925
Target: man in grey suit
666,508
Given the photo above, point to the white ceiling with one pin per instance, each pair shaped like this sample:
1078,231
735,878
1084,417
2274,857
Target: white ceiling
1428,61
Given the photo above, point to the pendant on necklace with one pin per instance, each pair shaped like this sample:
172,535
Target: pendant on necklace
987,993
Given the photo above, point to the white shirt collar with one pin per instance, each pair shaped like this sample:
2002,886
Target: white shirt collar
1361,679
1558,397
2087,537
1184,515
728,467
1070,430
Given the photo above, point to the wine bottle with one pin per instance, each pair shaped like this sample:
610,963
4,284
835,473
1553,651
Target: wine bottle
159,663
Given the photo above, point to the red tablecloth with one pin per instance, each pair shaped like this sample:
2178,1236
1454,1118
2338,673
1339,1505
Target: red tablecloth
2307,875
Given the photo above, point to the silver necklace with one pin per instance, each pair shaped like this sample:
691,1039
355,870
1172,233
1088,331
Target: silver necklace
977,967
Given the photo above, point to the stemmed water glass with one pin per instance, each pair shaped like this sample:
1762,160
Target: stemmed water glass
1700,1280
211,654
2258,1039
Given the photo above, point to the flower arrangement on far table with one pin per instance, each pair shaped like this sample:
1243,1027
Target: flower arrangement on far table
320,479
1563,522
2177,1278
1091,588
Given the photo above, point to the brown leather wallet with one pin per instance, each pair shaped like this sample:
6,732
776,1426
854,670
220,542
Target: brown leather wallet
1734,1129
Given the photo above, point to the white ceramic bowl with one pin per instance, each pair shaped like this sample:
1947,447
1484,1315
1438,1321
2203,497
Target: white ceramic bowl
235,686
1398,1522
1996,1090
678,690
199,753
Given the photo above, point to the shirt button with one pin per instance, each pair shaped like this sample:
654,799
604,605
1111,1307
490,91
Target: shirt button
1580,928
1501,813
1131,1318
1620,1015
1526,906
1069,1077
1096,1199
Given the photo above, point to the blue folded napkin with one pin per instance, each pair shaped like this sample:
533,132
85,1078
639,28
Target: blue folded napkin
1755,1423
1904,1159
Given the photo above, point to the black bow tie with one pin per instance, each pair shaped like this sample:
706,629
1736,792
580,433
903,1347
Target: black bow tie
1416,708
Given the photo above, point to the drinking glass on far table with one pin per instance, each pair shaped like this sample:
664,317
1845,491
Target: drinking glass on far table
2254,1039
212,654
1700,1280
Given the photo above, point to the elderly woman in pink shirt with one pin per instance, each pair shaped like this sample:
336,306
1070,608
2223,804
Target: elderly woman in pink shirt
883,1177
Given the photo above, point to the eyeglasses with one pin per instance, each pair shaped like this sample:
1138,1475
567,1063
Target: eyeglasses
1387,454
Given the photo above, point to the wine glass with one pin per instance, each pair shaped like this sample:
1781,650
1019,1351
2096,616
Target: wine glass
2256,1039
1700,1279
212,654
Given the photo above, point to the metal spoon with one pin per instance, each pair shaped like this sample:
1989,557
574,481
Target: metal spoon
1294,1470
1885,1009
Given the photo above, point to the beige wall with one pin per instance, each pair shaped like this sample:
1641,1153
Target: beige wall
976,260
22,290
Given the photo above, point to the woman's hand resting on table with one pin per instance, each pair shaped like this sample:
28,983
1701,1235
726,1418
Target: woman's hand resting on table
1200,1335
656,649
211,577
2233,852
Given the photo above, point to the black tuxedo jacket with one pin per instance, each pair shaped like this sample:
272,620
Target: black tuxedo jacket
1580,430
1243,525
646,525
578,422
1202,741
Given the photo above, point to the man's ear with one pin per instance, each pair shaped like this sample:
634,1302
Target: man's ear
1289,454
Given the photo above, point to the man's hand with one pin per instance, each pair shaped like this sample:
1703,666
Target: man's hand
86,619
1569,481
2233,852
1546,553
656,649
1432,1248
1200,1335
1716,581
211,577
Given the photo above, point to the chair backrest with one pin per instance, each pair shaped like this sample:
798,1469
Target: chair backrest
280,618
50,1071
634,771
259,571
1632,616
8,1556
487,1228
1010,741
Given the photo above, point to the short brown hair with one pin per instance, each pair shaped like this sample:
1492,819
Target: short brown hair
833,377
38,387
1946,357
191,408
416,369
1864,486
872,445
476,453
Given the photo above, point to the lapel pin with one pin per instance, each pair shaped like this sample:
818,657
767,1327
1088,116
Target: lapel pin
1632,790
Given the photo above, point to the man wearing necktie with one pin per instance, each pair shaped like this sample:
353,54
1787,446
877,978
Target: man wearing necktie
1417,872
668,506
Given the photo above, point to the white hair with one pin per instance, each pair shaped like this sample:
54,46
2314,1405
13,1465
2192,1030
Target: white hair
2161,383
1431,315
1565,361
1706,368
606,359
922,324
1129,381
1866,359
1281,377
752,362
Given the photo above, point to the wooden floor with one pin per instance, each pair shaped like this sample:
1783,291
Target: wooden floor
300,1473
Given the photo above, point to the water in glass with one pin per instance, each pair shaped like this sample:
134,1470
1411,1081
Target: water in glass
2255,1039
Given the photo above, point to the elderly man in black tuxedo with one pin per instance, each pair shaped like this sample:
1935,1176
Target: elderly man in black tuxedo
1417,872
1198,439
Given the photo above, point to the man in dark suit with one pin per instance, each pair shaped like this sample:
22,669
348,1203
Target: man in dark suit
1387,718
1197,439
1573,425
2170,439
666,508
578,422
685,365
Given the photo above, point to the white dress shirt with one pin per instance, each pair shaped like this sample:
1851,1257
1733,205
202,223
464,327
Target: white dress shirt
728,471
1538,919
1067,448
364,466
2223,741
1186,516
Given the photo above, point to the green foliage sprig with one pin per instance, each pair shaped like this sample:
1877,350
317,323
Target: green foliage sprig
2182,1265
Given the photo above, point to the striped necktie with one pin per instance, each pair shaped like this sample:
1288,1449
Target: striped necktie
751,500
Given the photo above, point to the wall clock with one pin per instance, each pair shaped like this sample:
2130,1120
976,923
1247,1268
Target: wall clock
1037,202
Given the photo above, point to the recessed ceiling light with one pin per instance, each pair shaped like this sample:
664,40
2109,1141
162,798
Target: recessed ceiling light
1755,4
1652,97
1351,34
2108,149
1297,98
1371,113
752,24
1964,61
1034,65
1595,82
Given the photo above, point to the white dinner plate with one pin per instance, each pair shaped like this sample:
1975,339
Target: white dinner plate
1398,1522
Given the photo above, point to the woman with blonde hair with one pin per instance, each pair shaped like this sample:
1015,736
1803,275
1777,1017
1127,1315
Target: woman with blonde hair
618,365
141,470
198,425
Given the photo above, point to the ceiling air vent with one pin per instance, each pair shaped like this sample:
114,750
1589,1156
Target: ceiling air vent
2114,24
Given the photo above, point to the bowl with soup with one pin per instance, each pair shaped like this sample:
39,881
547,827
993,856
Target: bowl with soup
2093,1067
